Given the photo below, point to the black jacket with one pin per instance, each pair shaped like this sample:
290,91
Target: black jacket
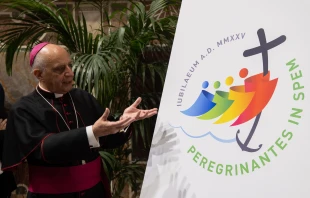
7,181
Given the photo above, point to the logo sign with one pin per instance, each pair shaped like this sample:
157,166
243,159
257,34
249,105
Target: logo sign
234,112
243,102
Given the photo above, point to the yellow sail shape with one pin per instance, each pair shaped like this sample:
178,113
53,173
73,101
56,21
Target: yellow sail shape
241,100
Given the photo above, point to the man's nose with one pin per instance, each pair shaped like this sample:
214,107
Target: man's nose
69,72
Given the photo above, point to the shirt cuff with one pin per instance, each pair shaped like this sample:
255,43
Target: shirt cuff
93,142
125,129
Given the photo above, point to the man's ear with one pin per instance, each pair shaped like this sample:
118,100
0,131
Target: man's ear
38,74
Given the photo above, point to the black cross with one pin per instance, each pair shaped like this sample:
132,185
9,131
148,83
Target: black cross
264,47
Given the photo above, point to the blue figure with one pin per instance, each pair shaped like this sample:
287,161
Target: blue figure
203,103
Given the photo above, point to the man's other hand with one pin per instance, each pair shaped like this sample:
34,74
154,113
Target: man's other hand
3,124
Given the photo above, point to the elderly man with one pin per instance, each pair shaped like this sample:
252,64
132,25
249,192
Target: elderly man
57,128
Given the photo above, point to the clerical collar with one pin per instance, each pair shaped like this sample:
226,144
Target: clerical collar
47,93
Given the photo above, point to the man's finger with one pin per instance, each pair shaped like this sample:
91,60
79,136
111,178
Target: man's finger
137,102
131,120
105,114
122,123
148,113
152,110
151,114
138,115
3,121
3,124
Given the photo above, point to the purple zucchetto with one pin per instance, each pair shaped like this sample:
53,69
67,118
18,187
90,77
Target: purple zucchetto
35,50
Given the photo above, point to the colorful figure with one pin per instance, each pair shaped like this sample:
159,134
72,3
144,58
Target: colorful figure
203,103
263,90
243,101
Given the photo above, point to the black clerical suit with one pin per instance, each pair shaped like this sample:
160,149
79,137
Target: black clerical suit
38,133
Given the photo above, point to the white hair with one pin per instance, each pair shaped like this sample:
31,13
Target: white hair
39,62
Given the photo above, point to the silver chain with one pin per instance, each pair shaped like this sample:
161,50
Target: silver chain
77,121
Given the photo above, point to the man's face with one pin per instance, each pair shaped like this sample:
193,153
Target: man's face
57,75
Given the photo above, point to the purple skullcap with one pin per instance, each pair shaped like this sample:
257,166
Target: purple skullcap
35,50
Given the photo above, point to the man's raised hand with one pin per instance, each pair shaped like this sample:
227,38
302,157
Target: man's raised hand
138,114
103,126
